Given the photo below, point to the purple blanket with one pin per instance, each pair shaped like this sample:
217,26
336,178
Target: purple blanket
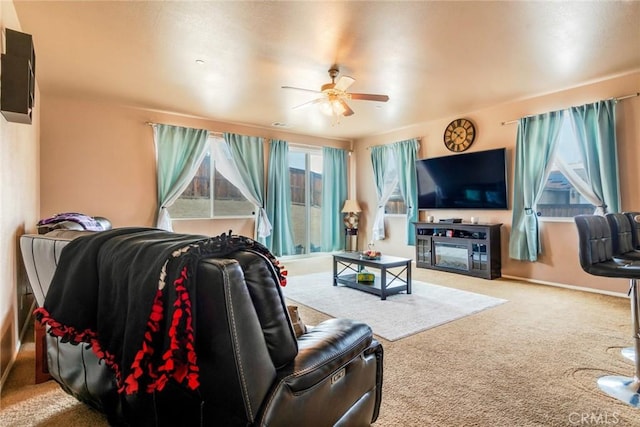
87,222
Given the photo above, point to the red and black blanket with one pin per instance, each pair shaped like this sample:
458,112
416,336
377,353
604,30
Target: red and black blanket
129,293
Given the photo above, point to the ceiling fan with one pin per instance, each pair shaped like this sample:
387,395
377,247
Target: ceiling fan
333,101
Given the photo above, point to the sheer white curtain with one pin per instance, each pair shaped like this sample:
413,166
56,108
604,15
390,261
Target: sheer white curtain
583,187
227,167
386,178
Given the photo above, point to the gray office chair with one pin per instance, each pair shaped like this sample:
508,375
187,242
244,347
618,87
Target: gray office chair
625,233
622,232
596,255
635,226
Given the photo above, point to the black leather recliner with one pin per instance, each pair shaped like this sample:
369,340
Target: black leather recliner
253,369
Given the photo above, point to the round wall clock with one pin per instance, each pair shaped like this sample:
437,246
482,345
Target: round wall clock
459,135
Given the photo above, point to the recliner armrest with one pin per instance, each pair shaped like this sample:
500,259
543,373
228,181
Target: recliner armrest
40,253
324,349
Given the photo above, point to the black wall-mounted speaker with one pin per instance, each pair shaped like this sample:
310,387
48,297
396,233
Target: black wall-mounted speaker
18,78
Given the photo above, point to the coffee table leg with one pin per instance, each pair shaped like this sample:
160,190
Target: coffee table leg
335,272
409,277
383,283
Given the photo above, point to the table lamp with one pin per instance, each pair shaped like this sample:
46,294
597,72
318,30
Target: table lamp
351,210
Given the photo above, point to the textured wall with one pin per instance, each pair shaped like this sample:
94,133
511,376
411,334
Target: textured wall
19,197
559,263
99,159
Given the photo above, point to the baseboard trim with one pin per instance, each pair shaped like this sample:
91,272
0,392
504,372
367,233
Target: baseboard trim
7,351
562,285
23,329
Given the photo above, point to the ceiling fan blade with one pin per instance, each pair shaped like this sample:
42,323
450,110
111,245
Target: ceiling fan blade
302,89
343,83
347,110
369,97
313,101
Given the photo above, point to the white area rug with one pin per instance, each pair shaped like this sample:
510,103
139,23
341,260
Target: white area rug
399,316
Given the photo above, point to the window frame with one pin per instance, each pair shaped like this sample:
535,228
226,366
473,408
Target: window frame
308,191
560,219
391,163
212,215
404,203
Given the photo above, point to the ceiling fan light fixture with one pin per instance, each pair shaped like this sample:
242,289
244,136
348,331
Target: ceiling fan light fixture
333,96
325,107
332,108
327,87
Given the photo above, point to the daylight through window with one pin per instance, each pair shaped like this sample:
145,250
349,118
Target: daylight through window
562,196
210,195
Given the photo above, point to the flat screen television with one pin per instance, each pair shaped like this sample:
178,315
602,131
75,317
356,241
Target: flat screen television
475,180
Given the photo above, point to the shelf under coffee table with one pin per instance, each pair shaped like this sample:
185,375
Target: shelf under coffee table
394,277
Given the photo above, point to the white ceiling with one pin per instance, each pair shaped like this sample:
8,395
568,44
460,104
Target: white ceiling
434,59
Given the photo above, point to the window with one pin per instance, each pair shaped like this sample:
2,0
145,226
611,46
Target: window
198,202
395,205
305,175
560,197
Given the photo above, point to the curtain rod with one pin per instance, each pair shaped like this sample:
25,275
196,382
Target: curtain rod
633,95
419,139
310,146
220,134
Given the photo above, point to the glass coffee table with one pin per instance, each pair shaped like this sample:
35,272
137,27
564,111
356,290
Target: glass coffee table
394,276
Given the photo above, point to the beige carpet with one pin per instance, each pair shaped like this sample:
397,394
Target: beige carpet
533,361
398,316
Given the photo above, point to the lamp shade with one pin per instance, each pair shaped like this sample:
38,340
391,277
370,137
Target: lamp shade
351,205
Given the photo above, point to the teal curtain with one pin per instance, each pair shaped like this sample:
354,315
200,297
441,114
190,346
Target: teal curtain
280,242
334,194
405,157
378,161
536,141
247,153
595,129
179,152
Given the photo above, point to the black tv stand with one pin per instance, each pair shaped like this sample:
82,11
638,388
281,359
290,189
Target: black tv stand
451,220
465,248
